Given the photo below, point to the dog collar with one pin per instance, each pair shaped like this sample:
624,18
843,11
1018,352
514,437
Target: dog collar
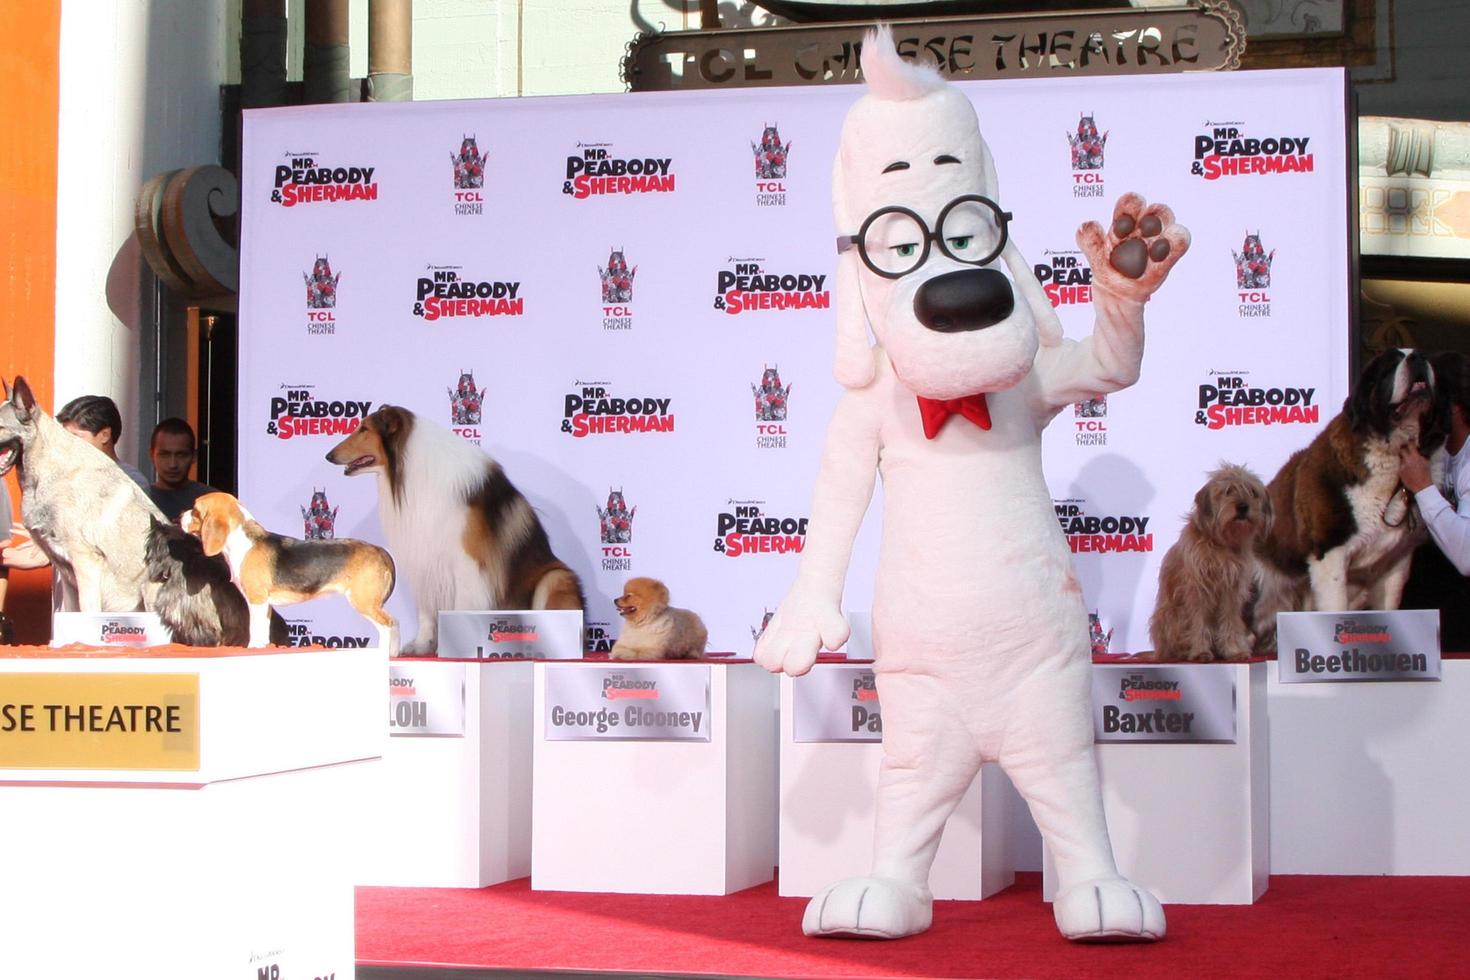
935,412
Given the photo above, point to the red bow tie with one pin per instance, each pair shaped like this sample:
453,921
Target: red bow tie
935,412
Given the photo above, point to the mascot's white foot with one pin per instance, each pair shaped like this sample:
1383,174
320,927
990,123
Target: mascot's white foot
869,908
1108,909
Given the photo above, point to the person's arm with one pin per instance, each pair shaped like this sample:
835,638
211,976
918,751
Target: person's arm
1449,528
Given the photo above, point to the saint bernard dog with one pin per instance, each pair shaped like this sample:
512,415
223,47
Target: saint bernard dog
462,535
1345,527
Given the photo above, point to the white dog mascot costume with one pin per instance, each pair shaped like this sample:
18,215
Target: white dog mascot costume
961,466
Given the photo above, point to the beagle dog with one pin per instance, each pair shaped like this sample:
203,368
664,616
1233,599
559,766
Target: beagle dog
270,569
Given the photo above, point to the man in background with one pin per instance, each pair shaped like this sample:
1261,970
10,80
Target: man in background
96,419
172,450
1446,511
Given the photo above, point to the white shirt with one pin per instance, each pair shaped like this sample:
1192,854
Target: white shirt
1447,510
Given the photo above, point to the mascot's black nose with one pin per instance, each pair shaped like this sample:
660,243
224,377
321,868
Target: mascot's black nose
971,299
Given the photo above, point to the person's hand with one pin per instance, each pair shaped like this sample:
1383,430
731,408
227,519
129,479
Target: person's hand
23,552
1413,469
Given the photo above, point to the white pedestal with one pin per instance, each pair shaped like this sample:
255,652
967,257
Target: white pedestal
1368,778
828,790
1188,821
659,817
239,863
469,793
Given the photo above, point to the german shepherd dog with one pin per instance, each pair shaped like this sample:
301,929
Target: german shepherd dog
83,511
111,548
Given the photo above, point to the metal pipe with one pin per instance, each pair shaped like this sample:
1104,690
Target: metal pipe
262,53
390,51
325,71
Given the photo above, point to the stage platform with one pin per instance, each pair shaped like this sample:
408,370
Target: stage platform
1304,926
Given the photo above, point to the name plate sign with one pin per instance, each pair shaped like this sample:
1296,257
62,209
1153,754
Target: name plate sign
99,721
836,703
135,629
1163,702
426,698
644,703
1317,647
540,634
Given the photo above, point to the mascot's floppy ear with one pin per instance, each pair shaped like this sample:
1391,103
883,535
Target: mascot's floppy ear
1048,327
853,359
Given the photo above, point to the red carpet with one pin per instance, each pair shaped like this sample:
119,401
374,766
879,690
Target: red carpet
1302,927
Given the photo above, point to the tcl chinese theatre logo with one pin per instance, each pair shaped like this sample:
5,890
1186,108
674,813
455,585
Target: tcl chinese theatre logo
617,291
321,296
615,531
1253,276
771,157
772,402
1087,145
468,167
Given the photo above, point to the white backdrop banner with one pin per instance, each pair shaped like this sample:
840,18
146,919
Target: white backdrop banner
627,301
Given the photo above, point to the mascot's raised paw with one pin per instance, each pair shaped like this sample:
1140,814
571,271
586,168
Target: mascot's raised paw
796,634
1108,909
1133,257
872,908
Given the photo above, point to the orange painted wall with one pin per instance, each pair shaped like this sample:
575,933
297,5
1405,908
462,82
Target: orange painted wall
29,79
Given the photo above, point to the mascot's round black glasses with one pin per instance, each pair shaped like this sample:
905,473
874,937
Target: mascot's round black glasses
895,241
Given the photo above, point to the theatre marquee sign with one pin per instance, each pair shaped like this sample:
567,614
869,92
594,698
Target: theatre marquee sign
1205,36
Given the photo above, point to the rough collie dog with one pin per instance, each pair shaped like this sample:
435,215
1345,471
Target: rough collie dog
655,630
461,534
1209,577
1345,528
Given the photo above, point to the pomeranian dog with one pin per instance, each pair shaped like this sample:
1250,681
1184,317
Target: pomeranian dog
655,630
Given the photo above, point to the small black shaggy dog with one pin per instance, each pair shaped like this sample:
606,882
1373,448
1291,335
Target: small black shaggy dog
193,595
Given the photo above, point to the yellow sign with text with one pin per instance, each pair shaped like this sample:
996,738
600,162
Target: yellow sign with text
99,721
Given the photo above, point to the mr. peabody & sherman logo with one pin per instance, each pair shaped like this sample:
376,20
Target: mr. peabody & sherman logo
1065,277
1227,400
511,631
745,287
1102,534
305,181
128,634
298,413
1350,631
446,292
1224,150
594,172
746,530
590,410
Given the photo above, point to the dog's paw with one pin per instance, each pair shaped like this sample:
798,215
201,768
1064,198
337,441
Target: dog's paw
796,634
1109,909
869,908
418,648
1133,256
